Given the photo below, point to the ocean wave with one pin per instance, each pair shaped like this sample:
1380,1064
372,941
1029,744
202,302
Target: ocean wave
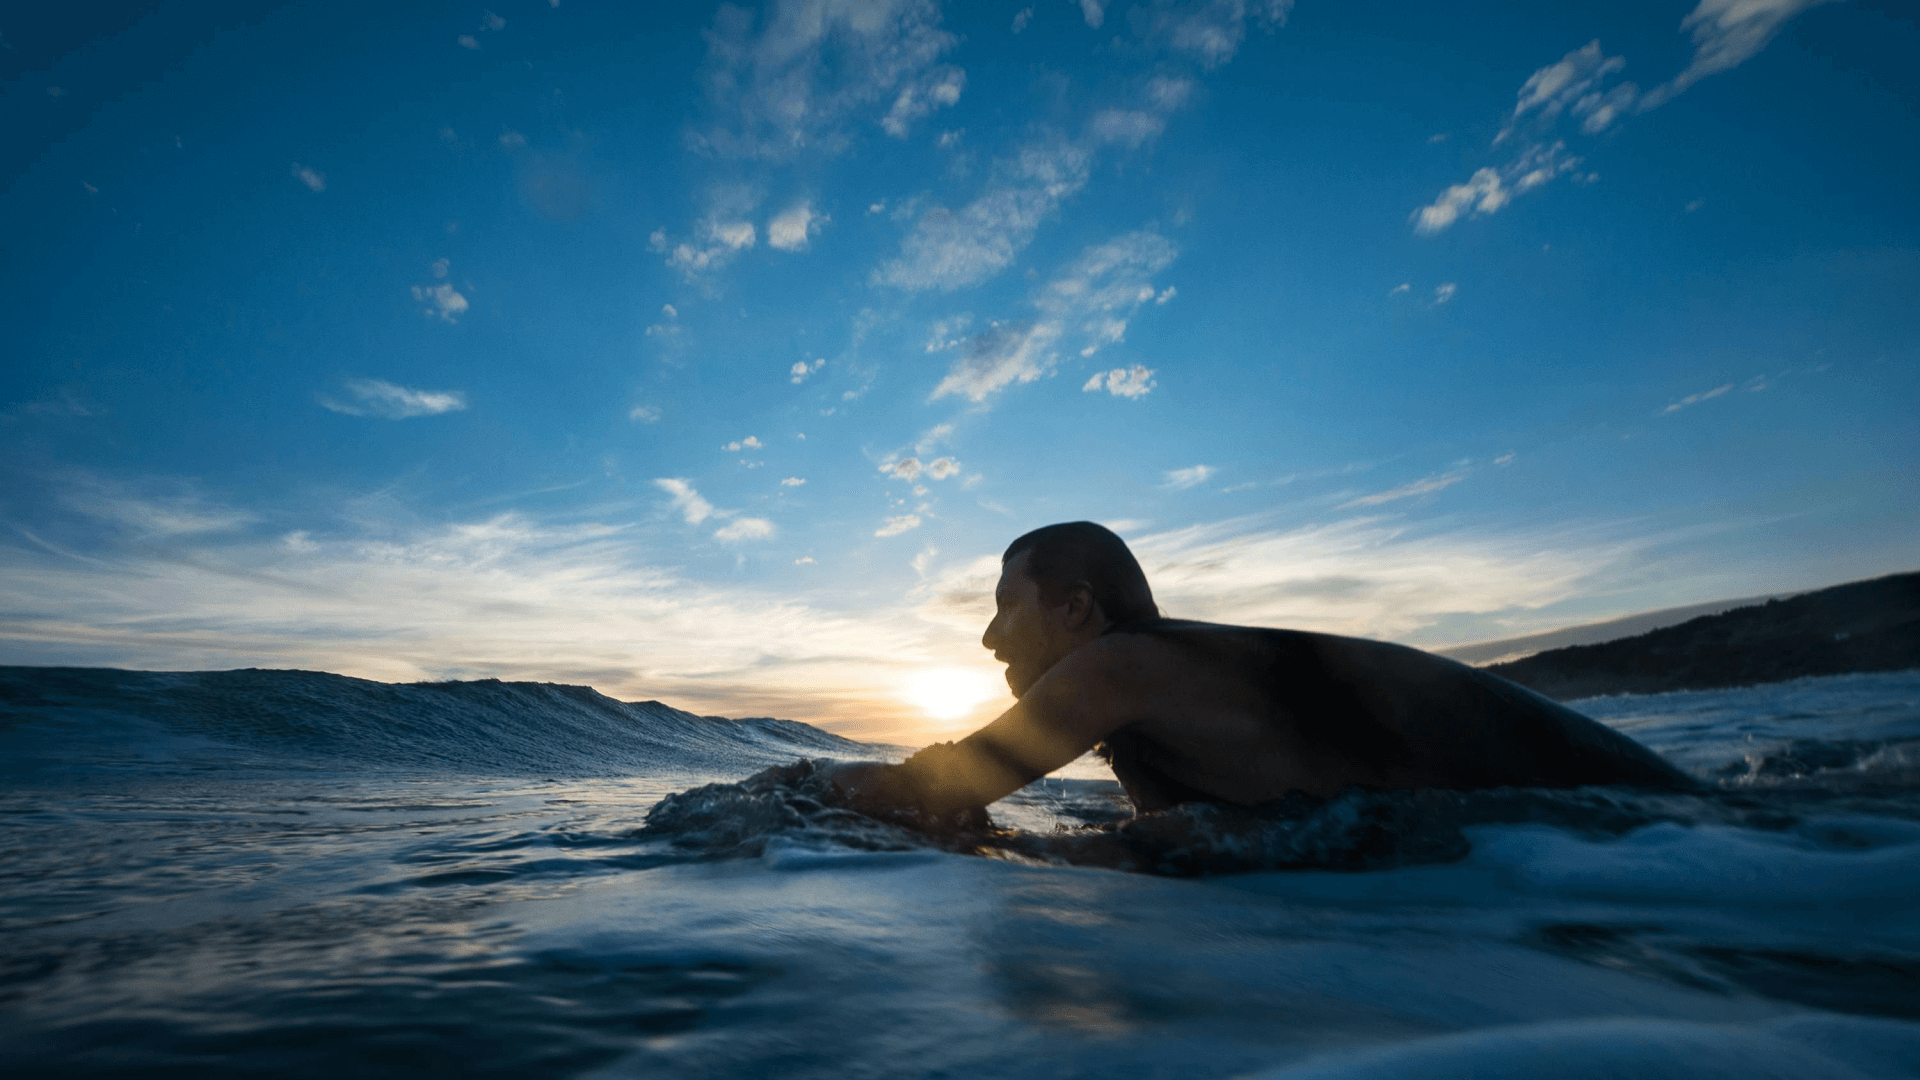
55,720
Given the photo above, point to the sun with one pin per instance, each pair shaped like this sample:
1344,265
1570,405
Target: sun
948,693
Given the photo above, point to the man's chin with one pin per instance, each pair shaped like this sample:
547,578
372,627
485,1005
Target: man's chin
1019,681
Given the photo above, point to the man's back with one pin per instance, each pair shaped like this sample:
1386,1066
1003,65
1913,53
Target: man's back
1243,714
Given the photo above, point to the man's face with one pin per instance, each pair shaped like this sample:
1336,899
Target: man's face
1025,634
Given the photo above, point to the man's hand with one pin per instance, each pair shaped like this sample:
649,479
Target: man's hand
870,785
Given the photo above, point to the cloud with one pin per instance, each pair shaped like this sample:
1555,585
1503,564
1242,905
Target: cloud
685,499
493,22
792,481
1129,126
1444,292
1094,11
512,140
911,468
1168,94
796,84
153,511
669,323
939,89
790,229
1132,382
1021,18
748,443
1489,189
1209,31
1695,399
442,300
1400,288
801,369
378,397
468,41
644,414
316,181
897,525
745,528
1365,578
1092,300
1726,33
717,237
804,560
1407,491
948,249
507,596
1192,476
1506,458
1550,91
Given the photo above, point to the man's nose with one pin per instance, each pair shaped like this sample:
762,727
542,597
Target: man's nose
992,635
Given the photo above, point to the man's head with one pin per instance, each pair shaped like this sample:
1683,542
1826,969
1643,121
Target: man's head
1060,587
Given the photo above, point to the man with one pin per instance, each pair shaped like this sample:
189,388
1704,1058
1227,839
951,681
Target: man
1187,711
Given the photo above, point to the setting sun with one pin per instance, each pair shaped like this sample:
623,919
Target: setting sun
949,693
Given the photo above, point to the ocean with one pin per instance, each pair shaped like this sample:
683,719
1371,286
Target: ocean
291,874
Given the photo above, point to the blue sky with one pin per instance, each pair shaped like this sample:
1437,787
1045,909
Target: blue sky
712,353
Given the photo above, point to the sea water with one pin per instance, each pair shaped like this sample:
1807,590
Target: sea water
290,874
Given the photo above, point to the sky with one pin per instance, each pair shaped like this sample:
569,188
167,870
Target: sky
712,354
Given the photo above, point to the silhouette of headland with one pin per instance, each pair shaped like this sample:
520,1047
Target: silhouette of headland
1869,625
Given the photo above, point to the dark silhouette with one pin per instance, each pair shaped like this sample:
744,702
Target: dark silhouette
1862,626
1190,711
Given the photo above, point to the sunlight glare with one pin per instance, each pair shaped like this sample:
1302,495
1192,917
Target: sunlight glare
948,693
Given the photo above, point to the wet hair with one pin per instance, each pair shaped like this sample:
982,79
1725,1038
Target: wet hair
1062,557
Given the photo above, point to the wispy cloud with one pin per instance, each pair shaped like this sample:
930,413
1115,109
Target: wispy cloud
1568,83
505,596
644,414
1406,491
1092,300
798,373
442,300
1209,32
793,481
315,180
737,445
1489,189
814,68
911,468
790,229
746,528
897,525
1191,476
1726,34
685,499
1444,292
938,89
948,249
152,511
1360,576
378,397
1695,399
1134,382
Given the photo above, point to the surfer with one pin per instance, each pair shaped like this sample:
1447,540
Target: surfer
1191,711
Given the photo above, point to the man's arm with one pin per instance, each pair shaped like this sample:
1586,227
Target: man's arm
1082,700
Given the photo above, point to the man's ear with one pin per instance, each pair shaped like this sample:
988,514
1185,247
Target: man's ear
1081,607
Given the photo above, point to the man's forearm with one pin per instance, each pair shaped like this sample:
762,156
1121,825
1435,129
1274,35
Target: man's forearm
973,772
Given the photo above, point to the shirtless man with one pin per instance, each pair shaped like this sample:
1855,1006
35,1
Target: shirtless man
1188,711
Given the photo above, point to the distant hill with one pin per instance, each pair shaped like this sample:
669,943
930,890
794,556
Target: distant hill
1862,626
1482,653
